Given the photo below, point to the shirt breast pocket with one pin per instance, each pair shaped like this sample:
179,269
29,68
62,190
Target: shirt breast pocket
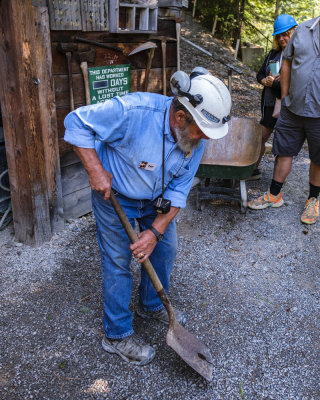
184,169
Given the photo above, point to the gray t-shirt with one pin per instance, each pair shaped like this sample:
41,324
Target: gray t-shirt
303,50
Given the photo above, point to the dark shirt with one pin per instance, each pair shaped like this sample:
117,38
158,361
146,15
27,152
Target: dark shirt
269,94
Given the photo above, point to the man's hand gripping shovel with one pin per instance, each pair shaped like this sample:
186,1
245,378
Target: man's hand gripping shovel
186,345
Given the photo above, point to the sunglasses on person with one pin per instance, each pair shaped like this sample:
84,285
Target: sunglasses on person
284,34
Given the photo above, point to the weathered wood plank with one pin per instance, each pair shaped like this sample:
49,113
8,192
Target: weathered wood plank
77,203
20,69
64,147
166,27
49,119
94,15
65,15
137,81
69,159
62,90
74,177
110,57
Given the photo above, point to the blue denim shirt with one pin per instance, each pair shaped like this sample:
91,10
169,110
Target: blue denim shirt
127,133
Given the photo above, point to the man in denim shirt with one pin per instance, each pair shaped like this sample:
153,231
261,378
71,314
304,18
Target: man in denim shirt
121,144
299,118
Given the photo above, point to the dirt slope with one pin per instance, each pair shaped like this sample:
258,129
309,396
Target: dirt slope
246,91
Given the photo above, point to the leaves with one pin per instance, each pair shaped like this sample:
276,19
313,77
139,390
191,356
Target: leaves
257,17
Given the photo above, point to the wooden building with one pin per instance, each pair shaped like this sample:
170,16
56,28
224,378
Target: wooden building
39,87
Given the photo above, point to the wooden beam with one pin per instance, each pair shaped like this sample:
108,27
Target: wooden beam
49,118
28,121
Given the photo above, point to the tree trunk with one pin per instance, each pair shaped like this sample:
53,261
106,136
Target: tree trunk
276,13
240,13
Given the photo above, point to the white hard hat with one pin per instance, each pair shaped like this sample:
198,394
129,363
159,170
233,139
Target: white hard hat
207,99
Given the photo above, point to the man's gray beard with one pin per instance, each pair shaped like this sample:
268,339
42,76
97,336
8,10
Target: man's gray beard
185,144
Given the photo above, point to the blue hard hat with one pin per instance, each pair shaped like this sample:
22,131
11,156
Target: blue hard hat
283,23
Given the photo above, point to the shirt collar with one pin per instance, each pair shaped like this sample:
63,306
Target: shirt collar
315,23
167,130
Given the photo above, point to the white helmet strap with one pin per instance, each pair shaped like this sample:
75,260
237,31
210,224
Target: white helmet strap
193,99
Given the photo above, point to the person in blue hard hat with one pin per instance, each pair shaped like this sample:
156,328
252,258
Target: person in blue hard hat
269,77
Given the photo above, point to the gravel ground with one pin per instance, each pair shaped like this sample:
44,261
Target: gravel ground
249,283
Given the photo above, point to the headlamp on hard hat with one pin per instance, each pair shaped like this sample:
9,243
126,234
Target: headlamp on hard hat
207,99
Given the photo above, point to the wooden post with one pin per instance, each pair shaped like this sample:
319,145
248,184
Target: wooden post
29,122
194,8
237,49
214,25
49,119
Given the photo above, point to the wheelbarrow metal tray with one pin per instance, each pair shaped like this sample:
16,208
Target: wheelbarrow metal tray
233,156
230,158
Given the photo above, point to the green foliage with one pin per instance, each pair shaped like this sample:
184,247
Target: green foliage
256,65
258,17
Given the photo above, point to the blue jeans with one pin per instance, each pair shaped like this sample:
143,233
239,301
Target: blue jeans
116,257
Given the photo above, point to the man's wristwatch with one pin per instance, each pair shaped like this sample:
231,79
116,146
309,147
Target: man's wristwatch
157,234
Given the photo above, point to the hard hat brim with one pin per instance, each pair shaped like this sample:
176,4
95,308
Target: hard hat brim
215,133
283,29
212,133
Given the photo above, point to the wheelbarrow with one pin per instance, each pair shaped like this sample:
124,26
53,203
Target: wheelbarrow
229,160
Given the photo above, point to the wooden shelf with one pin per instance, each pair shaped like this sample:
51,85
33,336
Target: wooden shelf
132,18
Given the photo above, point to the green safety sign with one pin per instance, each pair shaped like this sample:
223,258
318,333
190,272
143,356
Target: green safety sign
107,82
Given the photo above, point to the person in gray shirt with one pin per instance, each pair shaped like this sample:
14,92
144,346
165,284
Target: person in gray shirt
299,118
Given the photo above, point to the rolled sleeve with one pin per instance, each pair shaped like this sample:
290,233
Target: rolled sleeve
179,189
77,133
178,199
103,121
79,138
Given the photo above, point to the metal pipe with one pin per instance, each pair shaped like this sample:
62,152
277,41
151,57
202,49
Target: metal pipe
229,66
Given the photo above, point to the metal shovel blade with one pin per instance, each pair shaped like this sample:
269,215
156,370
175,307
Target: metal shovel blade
191,350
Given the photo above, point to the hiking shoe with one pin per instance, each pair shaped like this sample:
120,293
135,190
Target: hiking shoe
131,349
266,200
256,174
162,315
311,211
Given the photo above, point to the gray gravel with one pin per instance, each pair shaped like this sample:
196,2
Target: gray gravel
249,284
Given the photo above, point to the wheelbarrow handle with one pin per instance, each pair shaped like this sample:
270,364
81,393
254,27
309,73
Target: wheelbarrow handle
147,263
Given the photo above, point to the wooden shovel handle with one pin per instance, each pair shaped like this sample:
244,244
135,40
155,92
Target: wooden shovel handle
84,69
146,79
146,264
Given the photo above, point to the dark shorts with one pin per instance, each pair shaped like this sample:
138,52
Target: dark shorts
267,118
290,133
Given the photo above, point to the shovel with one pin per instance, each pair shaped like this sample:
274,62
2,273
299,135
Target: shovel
186,345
